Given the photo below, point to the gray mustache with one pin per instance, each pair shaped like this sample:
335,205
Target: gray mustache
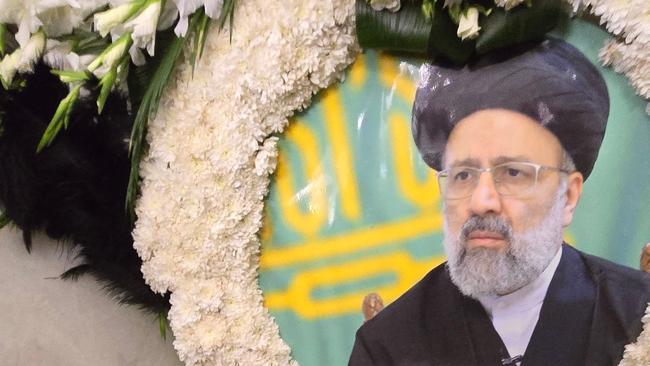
486,223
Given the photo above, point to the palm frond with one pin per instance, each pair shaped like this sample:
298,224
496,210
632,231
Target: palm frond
147,109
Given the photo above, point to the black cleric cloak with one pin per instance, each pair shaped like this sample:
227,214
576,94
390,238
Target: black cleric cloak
592,309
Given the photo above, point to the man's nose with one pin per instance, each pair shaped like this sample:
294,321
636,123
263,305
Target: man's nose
485,198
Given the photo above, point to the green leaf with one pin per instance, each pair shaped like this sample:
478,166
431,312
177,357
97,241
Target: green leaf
162,323
428,8
407,30
199,38
227,13
106,84
519,25
74,95
113,53
444,44
61,118
70,76
3,39
455,11
4,220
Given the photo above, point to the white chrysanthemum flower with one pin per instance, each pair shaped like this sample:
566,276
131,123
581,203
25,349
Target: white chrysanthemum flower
636,354
629,19
266,158
468,27
508,4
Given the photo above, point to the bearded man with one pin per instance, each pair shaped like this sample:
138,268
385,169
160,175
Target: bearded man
512,136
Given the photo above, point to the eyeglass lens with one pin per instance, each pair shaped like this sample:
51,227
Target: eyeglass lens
509,179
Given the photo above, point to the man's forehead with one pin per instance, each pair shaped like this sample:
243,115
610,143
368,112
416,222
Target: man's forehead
495,136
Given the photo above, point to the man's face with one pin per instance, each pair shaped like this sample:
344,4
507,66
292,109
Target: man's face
509,237
490,137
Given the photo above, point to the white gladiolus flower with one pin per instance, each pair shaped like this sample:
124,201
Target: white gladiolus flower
168,15
508,4
105,21
61,20
56,53
57,17
143,27
9,67
59,55
392,5
112,55
213,8
188,7
468,27
31,52
22,59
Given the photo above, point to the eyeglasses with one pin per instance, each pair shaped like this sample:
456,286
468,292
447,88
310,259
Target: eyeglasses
510,179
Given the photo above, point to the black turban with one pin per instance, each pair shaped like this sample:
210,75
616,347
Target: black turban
550,82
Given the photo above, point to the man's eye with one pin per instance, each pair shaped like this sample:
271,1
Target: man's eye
463,175
513,172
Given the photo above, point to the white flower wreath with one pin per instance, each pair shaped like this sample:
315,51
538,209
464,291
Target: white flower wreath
207,172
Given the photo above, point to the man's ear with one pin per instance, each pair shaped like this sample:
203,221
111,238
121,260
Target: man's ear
574,190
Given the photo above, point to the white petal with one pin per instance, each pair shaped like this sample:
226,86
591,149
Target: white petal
187,7
213,8
9,66
143,27
168,16
107,20
56,54
181,27
31,52
137,56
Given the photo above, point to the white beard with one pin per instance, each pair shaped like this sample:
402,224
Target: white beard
482,271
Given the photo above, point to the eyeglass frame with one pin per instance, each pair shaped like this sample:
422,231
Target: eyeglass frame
444,174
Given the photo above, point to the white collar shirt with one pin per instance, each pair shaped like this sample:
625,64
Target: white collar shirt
515,315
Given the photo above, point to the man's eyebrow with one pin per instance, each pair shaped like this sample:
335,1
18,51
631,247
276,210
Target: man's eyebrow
507,159
473,162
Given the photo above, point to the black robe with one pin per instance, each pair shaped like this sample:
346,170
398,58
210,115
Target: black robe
592,309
